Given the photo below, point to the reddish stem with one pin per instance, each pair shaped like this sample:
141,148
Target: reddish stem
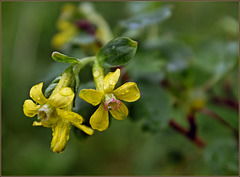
191,133
226,102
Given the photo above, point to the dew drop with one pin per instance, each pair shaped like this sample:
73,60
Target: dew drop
112,82
96,73
65,92
38,97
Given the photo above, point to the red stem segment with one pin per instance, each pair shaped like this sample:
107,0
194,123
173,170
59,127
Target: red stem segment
226,102
191,134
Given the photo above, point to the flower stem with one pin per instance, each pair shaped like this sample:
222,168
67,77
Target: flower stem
86,60
65,80
98,75
68,74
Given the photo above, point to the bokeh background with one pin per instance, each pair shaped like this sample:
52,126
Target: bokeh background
123,149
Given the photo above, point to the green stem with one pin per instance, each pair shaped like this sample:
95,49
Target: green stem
68,74
86,60
65,80
77,67
98,75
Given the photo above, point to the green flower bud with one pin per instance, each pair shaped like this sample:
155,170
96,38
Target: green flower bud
63,58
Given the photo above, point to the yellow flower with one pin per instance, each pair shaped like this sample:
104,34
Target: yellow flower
109,100
67,30
52,113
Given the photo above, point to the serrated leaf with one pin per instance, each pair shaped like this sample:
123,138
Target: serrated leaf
222,156
217,57
154,105
117,52
177,55
143,66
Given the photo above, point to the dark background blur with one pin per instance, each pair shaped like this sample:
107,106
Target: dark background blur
124,149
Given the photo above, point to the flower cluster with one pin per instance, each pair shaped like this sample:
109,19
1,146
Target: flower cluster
53,112
88,32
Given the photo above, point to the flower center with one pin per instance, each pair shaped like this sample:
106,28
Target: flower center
44,112
111,103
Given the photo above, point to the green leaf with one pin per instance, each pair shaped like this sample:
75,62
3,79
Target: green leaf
147,19
57,79
63,58
217,57
139,7
117,52
49,89
153,106
143,66
176,55
221,156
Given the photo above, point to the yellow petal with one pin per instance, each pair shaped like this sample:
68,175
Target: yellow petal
37,95
62,98
110,80
63,25
60,136
63,37
91,96
84,128
120,113
30,109
35,123
100,120
127,92
70,116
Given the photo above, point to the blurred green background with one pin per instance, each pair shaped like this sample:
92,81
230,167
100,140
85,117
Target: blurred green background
123,149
